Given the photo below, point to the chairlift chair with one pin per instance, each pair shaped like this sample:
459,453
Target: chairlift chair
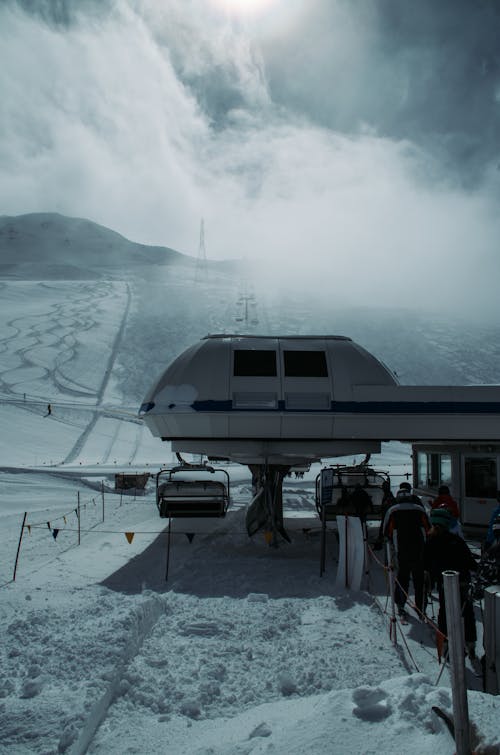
333,483
336,494
194,498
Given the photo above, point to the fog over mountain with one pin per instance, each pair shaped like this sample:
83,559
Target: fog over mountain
176,299
348,146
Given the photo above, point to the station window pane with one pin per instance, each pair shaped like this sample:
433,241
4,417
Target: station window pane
255,363
433,471
480,478
305,364
445,469
422,469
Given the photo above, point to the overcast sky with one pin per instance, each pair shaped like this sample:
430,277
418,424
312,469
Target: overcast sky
357,138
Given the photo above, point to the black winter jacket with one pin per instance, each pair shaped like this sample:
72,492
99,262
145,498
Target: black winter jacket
406,524
446,551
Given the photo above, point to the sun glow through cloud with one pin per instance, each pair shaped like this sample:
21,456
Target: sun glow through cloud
245,7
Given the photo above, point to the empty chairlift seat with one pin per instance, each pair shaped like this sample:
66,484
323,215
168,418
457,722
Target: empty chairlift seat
186,492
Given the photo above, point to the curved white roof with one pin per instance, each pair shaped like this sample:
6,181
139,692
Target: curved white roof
305,396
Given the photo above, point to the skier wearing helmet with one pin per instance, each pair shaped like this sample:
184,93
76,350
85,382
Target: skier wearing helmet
445,551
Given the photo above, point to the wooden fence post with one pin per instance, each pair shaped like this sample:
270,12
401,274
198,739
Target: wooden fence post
455,624
390,566
78,517
19,545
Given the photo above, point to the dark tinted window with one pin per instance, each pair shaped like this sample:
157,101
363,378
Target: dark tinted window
481,478
254,363
305,364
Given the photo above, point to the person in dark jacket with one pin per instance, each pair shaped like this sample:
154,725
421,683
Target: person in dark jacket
405,491
492,534
489,567
361,502
446,551
406,525
388,499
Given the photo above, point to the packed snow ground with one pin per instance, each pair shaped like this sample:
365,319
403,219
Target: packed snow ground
245,649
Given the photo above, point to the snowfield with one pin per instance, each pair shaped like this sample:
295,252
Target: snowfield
245,649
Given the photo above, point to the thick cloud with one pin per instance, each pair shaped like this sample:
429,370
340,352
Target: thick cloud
325,140
424,71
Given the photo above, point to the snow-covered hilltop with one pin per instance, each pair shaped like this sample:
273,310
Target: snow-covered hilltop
52,246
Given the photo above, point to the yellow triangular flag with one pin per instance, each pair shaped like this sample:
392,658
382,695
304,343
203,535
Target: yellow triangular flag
29,528
129,536
65,522
268,536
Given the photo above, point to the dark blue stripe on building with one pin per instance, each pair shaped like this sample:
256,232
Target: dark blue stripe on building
365,407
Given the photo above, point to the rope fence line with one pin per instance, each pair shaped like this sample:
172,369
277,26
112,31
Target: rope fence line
396,647
423,616
43,526
54,533
61,516
104,532
26,400
395,625
80,511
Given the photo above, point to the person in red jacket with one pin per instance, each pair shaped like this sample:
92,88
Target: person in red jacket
445,501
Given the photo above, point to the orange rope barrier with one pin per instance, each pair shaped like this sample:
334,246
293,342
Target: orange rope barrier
440,636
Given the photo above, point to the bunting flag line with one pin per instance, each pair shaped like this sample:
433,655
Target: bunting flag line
129,536
55,533
190,536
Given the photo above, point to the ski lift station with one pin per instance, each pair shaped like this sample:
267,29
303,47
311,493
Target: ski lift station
275,402
471,471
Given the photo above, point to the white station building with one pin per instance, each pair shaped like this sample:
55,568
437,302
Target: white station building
288,400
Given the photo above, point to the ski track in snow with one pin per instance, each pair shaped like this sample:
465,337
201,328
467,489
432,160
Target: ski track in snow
80,443
49,344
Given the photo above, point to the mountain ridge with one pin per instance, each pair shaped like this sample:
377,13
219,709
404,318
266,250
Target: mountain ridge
55,246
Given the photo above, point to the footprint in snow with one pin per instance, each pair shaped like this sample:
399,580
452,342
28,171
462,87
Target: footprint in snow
371,704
